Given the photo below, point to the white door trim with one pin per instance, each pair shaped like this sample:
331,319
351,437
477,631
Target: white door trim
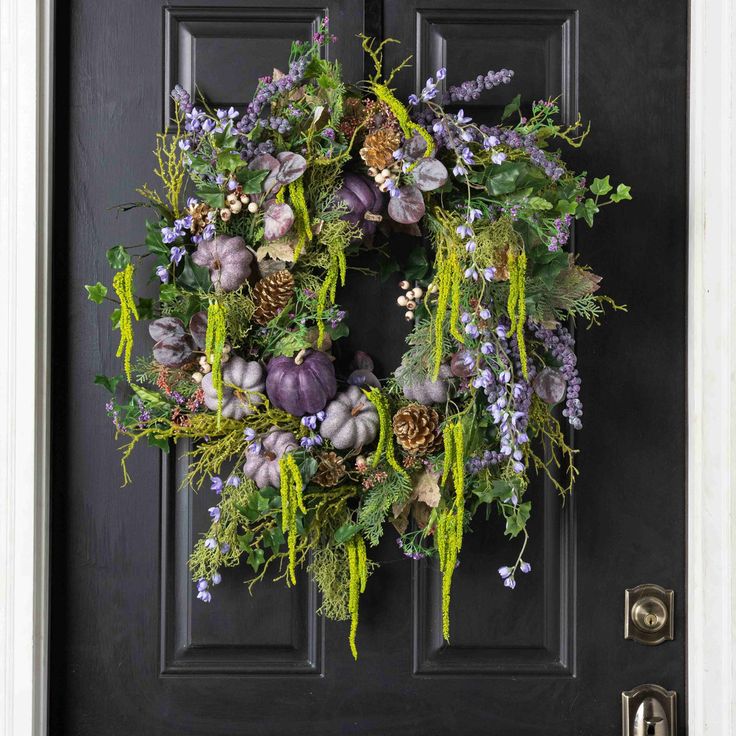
26,47
25,181
711,595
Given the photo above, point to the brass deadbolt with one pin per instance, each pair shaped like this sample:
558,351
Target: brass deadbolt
649,614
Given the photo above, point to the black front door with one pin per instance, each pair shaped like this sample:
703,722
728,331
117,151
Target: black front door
132,652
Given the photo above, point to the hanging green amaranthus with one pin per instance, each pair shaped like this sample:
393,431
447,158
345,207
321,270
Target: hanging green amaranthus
358,564
385,444
214,344
516,305
292,501
122,282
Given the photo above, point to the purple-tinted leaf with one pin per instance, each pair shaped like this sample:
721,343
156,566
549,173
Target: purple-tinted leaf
198,329
550,385
174,352
292,166
407,208
277,221
264,161
166,327
429,174
415,147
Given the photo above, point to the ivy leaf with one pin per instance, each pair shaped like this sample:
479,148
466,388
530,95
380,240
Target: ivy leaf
565,207
540,203
599,187
251,181
150,398
212,195
225,139
244,540
504,178
96,293
386,267
516,521
512,107
256,558
417,264
161,442
167,293
228,161
194,276
622,192
118,257
109,382
346,532
115,318
586,211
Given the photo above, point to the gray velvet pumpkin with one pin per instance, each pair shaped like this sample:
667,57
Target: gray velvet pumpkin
351,420
262,467
429,391
243,387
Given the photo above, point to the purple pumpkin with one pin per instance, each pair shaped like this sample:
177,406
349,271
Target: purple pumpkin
364,200
262,462
228,260
303,384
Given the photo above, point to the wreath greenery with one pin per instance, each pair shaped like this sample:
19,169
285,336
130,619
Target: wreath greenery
254,227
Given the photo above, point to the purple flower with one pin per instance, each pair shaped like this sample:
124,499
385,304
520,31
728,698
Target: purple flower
470,246
490,141
214,512
474,214
504,571
392,187
168,235
498,157
471,330
208,125
441,73
216,484
467,156
232,185
202,593
413,100
192,202
489,273
471,273
177,253
209,232
185,144
510,583
485,314
461,117
163,273
525,567
464,230
459,170
250,434
210,543
229,114
310,422
216,578
487,348
224,548
233,481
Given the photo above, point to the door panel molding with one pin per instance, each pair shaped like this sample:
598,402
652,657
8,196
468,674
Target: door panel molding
26,52
190,648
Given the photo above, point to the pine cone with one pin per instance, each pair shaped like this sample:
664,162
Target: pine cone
379,148
331,470
417,429
271,295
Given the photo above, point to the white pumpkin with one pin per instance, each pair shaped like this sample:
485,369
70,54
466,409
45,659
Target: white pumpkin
351,420
243,387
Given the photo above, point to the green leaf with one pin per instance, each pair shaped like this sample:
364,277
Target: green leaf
109,382
512,107
245,540
145,308
291,343
565,207
150,398
115,318
251,181
118,257
212,194
503,179
228,161
199,164
154,241
194,276
516,521
345,532
96,293
417,264
622,192
342,330
386,267
307,467
161,442
586,211
599,187
540,203
256,558
225,139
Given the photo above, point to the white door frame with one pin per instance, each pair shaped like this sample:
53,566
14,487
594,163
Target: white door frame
26,95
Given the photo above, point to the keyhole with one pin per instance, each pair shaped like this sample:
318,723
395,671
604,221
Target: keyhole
651,621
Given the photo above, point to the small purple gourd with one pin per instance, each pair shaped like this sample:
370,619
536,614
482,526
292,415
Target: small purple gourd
302,384
174,348
262,464
550,385
228,260
198,329
363,377
430,392
351,420
364,200
243,387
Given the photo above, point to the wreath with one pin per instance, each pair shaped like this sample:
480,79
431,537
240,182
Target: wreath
255,225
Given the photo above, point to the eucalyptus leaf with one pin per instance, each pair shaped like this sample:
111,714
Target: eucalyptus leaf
429,174
408,207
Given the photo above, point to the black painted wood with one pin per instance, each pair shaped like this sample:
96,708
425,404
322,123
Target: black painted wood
131,650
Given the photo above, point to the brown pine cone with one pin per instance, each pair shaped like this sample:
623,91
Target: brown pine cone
331,470
417,429
271,295
379,147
